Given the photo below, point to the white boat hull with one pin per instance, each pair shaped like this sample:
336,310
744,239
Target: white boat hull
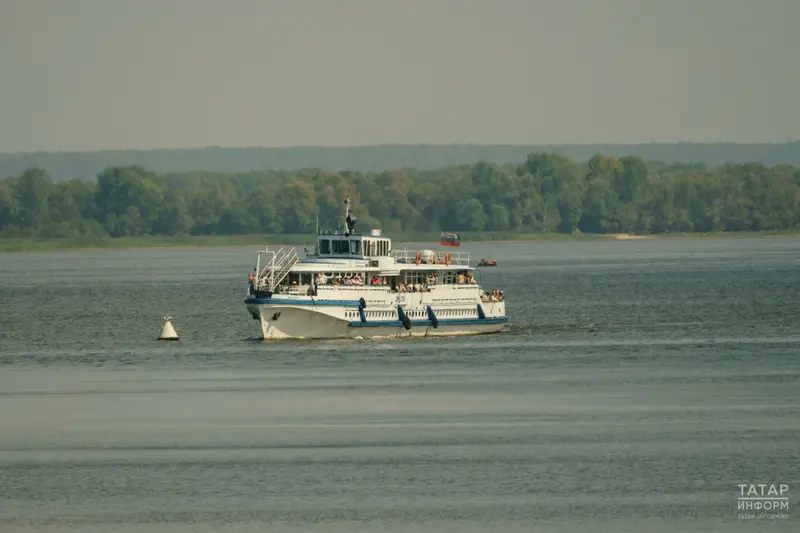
287,321
356,286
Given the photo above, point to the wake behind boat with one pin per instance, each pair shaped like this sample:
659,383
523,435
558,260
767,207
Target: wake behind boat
356,285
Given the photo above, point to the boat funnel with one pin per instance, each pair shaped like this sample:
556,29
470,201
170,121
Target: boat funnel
168,332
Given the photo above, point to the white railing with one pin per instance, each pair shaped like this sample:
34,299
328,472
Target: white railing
431,257
276,269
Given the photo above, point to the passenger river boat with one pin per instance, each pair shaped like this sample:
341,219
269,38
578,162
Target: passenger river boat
357,286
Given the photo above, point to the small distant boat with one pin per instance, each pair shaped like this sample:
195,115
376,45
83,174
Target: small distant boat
487,263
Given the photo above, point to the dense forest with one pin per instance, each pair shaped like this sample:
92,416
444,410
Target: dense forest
380,157
546,193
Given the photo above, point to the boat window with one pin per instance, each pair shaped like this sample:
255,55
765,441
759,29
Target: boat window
376,247
340,247
355,247
324,246
416,277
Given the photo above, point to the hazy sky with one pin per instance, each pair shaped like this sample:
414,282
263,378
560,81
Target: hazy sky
102,74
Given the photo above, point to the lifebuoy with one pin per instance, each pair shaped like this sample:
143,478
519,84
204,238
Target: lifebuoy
418,258
447,258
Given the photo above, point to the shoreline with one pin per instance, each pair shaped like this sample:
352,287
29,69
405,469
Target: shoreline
11,245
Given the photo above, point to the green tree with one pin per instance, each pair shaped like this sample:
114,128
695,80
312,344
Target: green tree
32,190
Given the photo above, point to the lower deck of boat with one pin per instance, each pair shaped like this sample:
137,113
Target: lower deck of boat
281,320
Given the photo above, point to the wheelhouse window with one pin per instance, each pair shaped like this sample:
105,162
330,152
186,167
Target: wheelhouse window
324,246
340,247
355,247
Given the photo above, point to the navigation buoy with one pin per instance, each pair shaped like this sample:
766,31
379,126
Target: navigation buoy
168,332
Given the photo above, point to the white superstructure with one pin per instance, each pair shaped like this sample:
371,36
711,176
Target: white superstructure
355,285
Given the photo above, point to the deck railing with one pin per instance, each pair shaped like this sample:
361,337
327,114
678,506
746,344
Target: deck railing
277,267
431,257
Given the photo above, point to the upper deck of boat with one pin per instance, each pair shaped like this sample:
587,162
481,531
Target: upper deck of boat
346,251
374,251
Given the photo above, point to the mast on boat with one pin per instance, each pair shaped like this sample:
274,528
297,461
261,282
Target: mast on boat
349,222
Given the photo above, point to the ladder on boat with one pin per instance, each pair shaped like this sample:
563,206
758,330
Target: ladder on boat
278,267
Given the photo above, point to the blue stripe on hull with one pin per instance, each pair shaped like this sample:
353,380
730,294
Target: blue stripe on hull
427,323
285,301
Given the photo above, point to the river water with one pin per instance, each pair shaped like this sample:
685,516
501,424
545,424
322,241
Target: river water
640,384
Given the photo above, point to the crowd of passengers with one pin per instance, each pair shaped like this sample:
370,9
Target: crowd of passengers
495,295
356,279
347,279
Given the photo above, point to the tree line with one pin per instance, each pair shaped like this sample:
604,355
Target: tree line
547,192
67,165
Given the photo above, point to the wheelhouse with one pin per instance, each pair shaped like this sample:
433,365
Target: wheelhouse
342,246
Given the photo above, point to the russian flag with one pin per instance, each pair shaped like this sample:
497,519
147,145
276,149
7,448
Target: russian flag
450,239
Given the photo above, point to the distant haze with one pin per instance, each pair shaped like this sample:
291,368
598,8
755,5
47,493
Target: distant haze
138,74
